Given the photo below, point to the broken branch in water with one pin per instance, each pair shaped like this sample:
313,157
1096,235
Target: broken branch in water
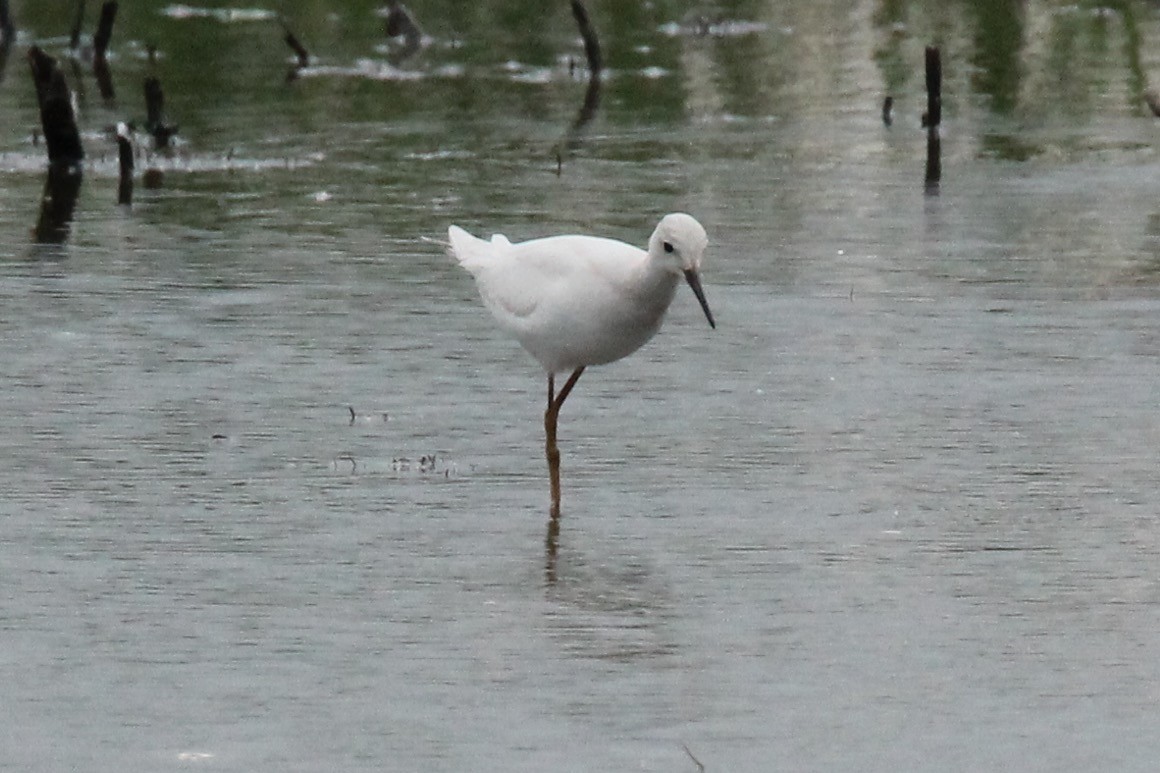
591,94
591,44
57,119
295,45
697,762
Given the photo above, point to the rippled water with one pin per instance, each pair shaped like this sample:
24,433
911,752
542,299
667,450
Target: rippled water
274,492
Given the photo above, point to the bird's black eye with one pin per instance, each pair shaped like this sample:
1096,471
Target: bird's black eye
668,246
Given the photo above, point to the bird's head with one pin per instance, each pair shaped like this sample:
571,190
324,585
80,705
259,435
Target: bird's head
678,244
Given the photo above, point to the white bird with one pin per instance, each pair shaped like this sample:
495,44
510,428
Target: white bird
575,301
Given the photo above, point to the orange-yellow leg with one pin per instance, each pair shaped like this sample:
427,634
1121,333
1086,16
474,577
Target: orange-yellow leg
551,415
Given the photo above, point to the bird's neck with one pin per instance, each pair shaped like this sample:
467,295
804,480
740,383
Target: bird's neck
656,275
656,287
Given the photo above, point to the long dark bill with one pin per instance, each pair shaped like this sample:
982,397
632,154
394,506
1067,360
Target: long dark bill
694,280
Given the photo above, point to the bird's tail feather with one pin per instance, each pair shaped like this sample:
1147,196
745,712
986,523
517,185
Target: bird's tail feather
471,251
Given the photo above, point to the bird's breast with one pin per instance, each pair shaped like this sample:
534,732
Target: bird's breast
594,328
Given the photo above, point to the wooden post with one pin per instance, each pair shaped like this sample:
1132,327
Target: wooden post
104,29
125,159
932,118
155,122
7,28
100,46
57,120
62,185
74,41
7,36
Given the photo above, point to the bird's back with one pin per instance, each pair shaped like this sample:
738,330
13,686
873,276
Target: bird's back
569,300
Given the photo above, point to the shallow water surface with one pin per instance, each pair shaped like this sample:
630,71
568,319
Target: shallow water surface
275,496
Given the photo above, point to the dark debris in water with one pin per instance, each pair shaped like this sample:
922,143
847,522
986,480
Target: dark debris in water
376,417
427,463
701,25
425,466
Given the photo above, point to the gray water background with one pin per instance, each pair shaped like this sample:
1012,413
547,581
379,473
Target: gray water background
898,512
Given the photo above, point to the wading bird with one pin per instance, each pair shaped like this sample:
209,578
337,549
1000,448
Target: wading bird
574,301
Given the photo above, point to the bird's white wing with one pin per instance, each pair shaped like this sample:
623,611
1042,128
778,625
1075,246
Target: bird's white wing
561,270
490,262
